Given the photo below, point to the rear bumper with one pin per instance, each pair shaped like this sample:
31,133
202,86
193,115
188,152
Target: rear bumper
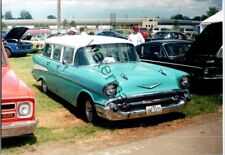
111,111
18,128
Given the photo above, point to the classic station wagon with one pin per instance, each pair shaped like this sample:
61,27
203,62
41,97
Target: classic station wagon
17,104
103,77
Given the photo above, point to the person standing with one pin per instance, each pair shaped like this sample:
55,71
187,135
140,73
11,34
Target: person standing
136,37
82,31
72,31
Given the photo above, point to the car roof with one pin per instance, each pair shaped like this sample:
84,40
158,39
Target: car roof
82,41
169,41
169,32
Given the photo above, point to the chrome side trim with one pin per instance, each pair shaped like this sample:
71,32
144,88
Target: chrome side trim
175,64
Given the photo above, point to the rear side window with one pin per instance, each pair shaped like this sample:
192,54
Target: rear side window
152,51
57,52
47,50
68,55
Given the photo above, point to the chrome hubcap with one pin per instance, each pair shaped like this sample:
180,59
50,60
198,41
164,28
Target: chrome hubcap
44,87
89,110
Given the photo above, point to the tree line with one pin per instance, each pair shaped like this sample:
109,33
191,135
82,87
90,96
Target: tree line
24,14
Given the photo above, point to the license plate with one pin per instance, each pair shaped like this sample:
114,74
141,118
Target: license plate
153,109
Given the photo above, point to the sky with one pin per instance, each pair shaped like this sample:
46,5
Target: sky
86,9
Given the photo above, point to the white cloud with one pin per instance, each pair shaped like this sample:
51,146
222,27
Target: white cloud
95,8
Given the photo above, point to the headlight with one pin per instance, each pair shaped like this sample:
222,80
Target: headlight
24,109
184,82
110,89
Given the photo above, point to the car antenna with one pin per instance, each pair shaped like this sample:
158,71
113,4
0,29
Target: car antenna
90,42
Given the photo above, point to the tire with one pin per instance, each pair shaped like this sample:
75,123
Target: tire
8,52
90,114
44,87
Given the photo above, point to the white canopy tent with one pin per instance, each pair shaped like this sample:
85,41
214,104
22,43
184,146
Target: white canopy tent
218,17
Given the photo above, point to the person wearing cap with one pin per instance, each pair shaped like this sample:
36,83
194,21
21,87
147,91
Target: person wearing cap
72,31
136,37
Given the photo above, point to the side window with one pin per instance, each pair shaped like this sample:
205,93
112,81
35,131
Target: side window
57,52
68,55
81,58
152,51
47,50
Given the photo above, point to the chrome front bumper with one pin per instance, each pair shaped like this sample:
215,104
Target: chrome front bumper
108,111
18,128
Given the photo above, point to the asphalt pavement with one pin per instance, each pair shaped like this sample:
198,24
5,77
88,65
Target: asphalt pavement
201,138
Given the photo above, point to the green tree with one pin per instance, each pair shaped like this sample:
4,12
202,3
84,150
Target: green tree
8,15
176,25
180,16
51,17
203,17
4,25
211,11
24,14
197,18
73,23
65,23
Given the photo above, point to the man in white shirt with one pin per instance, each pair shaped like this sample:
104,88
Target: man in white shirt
82,32
136,37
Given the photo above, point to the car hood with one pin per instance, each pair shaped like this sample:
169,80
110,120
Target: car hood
12,87
208,42
139,77
16,33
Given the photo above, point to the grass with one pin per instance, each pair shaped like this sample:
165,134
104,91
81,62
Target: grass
199,105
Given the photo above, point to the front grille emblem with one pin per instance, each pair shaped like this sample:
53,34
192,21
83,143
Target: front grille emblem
150,86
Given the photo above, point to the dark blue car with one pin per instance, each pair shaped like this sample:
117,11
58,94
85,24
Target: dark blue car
14,46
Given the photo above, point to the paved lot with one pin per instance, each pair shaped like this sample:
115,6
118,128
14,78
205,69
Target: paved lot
201,137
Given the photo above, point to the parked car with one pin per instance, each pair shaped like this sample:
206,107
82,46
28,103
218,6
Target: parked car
103,77
187,30
112,34
144,32
14,45
17,103
201,60
169,35
164,51
158,29
38,41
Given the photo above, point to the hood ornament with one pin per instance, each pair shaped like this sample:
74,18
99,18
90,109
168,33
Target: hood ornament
150,86
162,72
124,76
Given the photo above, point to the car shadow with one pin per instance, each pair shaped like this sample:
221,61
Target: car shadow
12,142
138,122
72,109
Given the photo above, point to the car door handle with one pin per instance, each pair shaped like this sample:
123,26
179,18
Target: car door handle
48,63
57,66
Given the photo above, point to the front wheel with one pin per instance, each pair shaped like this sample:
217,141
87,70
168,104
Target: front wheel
44,87
89,111
8,52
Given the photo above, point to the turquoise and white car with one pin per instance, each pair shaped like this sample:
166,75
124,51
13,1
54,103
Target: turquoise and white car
104,77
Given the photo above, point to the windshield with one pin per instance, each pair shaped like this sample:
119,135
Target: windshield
106,53
177,49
